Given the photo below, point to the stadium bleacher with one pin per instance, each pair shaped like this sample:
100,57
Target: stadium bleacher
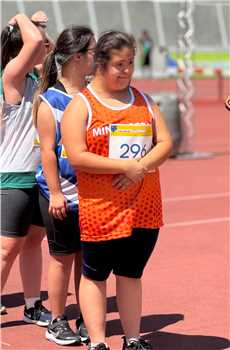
142,15
211,19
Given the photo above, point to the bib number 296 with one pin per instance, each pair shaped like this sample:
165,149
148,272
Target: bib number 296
132,151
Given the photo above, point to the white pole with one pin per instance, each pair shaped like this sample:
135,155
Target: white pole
21,6
159,23
125,15
220,17
93,17
58,16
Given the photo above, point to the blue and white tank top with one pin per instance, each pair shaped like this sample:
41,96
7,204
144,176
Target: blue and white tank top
57,99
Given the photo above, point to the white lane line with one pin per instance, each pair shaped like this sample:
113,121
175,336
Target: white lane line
197,222
198,196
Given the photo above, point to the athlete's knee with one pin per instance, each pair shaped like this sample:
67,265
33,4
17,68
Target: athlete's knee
62,261
10,247
127,279
34,238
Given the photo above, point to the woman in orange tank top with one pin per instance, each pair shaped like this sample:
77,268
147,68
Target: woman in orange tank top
116,138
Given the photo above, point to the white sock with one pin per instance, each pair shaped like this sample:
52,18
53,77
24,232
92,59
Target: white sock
30,302
129,339
95,344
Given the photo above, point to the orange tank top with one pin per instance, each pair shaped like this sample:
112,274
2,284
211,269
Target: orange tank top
105,212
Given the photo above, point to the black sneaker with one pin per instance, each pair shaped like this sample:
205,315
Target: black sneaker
60,332
37,314
139,344
81,330
100,346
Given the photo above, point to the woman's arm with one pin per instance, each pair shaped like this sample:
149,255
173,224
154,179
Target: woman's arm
163,146
73,128
157,155
17,68
46,130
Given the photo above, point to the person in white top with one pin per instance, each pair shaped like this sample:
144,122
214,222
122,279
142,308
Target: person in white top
22,44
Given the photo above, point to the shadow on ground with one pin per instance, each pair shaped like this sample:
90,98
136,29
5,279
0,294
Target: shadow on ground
17,299
175,341
150,326
149,323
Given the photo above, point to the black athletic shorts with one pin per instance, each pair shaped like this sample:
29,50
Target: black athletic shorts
19,210
63,235
124,256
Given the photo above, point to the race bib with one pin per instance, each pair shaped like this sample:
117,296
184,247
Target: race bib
63,152
129,141
36,142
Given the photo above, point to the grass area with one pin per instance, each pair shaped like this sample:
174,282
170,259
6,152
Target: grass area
206,56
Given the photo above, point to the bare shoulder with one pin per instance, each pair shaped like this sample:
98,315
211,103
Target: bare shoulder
44,114
44,108
45,121
77,106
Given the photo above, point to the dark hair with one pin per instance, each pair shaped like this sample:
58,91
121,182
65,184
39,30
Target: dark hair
71,40
111,40
11,43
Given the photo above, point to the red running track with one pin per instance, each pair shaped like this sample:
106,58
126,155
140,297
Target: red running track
208,89
186,283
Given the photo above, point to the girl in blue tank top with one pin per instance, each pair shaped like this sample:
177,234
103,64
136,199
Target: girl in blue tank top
64,75
57,99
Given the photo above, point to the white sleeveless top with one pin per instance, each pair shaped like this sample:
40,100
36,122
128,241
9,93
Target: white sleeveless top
18,149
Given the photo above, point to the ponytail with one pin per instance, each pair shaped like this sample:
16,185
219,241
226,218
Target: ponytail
48,78
11,44
71,40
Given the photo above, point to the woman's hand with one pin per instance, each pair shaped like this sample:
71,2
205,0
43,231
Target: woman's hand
58,206
122,182
13,21
39,17
134,172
